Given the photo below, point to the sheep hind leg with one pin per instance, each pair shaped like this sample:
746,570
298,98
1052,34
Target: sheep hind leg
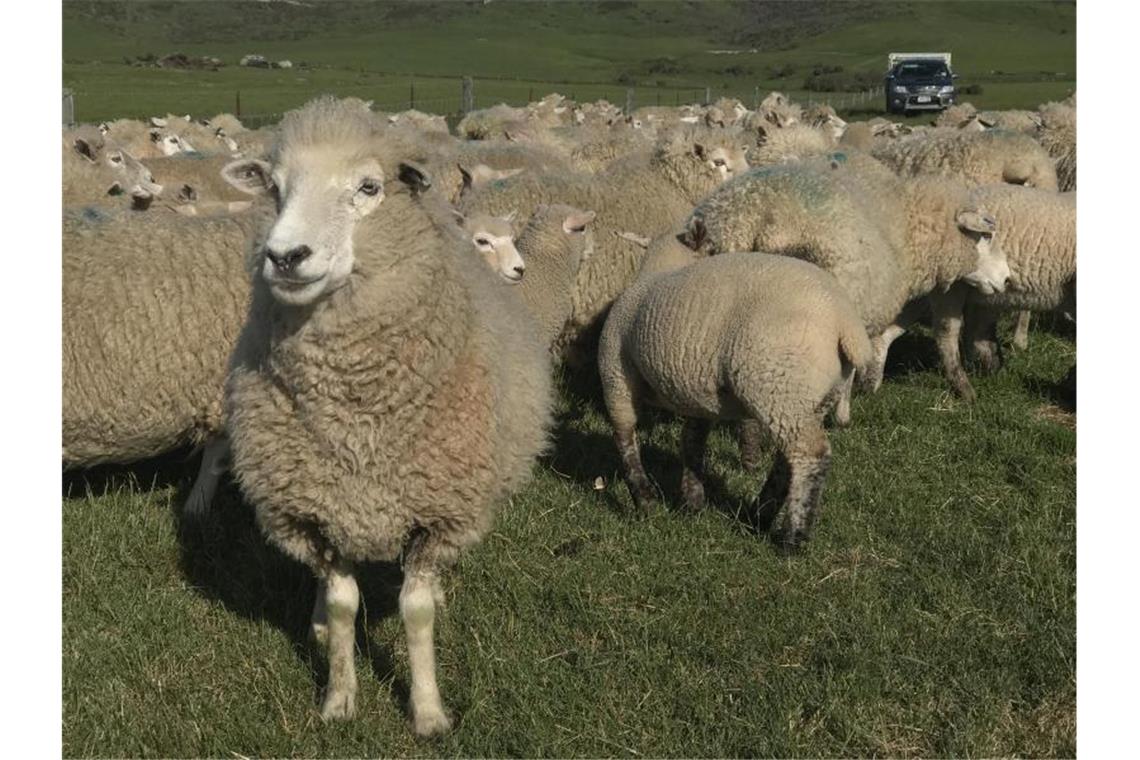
418,598
808,462
880,345
842,409
1021,331
694,437
319,621
215,459
750,438
342,600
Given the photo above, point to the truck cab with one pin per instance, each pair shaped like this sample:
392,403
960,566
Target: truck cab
919,82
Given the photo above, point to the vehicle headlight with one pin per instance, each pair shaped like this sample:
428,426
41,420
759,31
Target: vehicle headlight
946,89
900,89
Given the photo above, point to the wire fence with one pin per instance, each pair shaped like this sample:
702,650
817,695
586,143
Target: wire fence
262,104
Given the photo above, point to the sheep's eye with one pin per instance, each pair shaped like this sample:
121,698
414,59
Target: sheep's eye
369,187
718,161
482,241
115,158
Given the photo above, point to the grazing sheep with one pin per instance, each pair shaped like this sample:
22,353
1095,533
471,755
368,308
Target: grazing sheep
645,195
555,244
386,392
979,157
1039,238
152,306
740,336
887,241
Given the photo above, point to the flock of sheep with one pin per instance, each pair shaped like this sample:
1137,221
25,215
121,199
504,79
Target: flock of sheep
359,314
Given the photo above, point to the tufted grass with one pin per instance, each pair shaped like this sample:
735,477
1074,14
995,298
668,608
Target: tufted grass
932,614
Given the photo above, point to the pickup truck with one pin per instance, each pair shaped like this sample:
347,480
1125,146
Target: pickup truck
919,82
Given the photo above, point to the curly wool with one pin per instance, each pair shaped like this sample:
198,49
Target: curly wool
413,397
1058,134
152,307
980,158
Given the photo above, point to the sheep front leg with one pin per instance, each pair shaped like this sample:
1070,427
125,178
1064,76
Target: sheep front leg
639,486
417,609
694,436
750,437
1021,331
319,621
881,344
772,493
215,458
808,464
342,600
981,338
947,316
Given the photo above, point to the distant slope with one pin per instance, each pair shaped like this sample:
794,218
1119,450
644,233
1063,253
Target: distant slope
557,45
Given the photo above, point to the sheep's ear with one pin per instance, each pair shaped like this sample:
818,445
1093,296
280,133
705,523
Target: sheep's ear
468,182
459,217
85,149
248,175
699,150
115,189
976,220
761,134
694,234
156,121
577,221
414,176
186,194
511,216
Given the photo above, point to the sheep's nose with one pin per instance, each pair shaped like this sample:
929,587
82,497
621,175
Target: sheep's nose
519,271
285,262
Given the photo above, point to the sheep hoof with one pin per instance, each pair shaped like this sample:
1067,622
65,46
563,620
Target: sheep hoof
789,543
338,705
966,393
431,723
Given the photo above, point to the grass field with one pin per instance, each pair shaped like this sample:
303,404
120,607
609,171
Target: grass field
1022,53
932,614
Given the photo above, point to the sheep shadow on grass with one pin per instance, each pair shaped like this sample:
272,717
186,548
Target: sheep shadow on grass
175,469
226,559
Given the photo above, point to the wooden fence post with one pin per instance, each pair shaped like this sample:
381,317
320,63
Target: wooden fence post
629,101
467,95
237,104
68,108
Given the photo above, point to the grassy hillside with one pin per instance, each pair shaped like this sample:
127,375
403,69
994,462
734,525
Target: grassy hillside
1022,52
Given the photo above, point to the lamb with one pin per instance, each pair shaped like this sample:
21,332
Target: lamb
887,240
386,391
645,195
152,306
1039,237
494,240
555,244
740,336
979,157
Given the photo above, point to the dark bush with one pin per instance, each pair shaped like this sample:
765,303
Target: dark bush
665,65
970,89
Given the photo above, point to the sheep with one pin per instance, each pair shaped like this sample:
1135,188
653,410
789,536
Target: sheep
775,109
494,240
1013,120
226,122
979,157
144,140
487,123
887,240
555,243
1058,135
1039,238
775,146
955,115
823,116
95,168
740,336
386,392
194,178
645,195
152,306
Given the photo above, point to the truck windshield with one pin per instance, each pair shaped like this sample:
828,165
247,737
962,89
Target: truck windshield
921,69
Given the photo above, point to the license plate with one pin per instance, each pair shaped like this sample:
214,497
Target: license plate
923,98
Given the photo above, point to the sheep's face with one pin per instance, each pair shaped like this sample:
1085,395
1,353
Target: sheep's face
724,161
321,197
169,144
991,271
130,173
494,239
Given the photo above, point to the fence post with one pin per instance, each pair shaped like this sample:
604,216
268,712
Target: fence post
530,95
708,95
629,101
237,104
467,95
412,96
756,98
68,108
